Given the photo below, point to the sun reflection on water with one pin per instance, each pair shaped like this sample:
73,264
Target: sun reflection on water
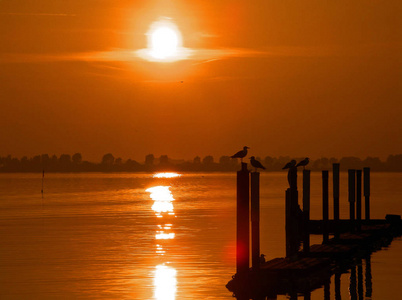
166,175
165,283
163,198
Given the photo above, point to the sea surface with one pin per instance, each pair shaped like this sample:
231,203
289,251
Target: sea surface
158,236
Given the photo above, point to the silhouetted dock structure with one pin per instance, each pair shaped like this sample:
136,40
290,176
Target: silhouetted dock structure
302,271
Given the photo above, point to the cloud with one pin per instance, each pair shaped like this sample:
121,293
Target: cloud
202,55
38,14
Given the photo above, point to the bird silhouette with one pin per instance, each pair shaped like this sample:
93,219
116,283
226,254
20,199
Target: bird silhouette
262,258
241,153
290,164
256,164
303,163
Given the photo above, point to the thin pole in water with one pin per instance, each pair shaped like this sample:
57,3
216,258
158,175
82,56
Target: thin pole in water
43,179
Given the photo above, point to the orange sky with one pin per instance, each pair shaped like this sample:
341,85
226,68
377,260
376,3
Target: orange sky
299,78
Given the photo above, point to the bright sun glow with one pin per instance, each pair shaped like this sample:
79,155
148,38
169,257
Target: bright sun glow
164,42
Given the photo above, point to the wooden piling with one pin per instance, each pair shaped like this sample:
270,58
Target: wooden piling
306,211
352,197
292,215
358,199
243,227
325,204
255,220
366,172
288,223
335,192
291,223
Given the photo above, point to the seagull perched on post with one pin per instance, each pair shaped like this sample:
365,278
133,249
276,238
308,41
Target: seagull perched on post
256,164
303,163
241,153
290,164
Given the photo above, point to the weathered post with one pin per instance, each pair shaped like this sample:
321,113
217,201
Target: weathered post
255,221
325,213
367,192
358,199
335,186
291,222
351,197
243,227
306,211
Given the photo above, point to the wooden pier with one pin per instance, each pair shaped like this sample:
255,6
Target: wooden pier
302,271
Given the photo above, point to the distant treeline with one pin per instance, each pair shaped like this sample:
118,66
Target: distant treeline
75,163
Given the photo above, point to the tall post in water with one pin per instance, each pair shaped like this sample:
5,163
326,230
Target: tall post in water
335,187
243,227
325,213
358,199
306,211
255,220
291,216
351,197
367,192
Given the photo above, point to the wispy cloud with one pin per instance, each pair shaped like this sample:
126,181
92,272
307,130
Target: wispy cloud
199,56
38,14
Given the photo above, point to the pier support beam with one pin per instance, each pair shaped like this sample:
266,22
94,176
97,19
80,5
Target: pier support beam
243,227
325,209
292,216
358,200
335,187
366,172
255,221
352,197
306,211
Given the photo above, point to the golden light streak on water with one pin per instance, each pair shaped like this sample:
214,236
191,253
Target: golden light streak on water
165,283
166,175
163,198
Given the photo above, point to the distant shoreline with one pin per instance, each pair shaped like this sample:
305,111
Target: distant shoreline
109,164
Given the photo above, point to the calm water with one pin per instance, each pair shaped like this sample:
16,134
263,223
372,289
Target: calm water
134,236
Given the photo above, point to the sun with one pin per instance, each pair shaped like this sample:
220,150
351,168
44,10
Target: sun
165,42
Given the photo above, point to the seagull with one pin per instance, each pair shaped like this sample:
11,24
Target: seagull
256,164
303,163
290,164
241,153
